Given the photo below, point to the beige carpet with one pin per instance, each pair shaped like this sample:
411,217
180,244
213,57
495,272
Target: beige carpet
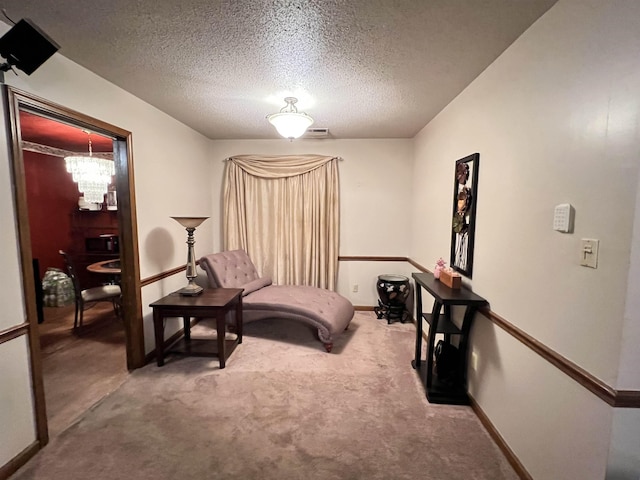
282,409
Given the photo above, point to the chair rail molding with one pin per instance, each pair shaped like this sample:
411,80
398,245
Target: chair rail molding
613,397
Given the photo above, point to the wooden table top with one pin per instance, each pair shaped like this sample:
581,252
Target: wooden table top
111,267
210,297
446,295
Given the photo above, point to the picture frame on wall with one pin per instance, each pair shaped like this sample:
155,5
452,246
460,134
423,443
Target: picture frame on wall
463,225
112,200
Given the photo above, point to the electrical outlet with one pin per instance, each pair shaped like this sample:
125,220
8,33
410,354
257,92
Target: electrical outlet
355,288
474,361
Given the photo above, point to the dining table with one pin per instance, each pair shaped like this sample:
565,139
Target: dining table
110,267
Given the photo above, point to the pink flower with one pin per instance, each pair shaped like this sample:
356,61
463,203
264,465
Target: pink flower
440,265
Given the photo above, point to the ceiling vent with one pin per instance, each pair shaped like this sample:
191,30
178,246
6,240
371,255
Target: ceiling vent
316,133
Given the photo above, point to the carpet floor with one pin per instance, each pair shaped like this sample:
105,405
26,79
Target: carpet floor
282,409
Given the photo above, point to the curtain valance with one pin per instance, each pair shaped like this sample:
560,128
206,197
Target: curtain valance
279,166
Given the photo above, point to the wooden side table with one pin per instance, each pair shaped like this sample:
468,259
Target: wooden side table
215,302
444,299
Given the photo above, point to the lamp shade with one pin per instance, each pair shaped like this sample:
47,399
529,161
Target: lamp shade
291,125
190,222
288,121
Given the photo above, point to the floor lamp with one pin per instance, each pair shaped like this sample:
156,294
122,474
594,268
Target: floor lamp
190,223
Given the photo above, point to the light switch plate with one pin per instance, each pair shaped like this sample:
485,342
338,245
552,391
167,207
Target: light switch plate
589,252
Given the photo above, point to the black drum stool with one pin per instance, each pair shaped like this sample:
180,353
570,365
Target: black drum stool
393,291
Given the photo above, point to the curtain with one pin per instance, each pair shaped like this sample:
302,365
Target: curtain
284,212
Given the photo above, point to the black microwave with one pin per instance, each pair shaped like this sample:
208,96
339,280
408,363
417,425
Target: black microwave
107,243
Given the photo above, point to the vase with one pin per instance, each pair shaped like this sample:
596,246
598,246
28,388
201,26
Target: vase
393,291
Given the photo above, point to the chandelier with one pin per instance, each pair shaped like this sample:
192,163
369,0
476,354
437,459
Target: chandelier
289,122
93,175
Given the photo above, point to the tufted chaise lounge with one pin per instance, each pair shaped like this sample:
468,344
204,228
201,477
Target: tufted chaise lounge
325,310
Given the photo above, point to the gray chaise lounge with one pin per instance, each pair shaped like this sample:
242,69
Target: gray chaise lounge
328,311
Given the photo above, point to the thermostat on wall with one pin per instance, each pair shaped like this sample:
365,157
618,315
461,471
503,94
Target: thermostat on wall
563,218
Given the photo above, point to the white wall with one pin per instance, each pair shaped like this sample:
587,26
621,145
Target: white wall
171,168
624,455
374,201
16,415
629,376
555,119
16,403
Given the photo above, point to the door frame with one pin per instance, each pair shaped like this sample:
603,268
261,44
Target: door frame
16,100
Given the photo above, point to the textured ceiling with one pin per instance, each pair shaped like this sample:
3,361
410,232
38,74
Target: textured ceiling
362,68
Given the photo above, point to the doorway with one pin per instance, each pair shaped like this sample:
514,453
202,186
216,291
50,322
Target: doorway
17,102
80,363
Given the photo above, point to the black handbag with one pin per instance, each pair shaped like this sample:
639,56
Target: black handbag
447,362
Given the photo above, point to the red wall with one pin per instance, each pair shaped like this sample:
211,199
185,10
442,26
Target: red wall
52,197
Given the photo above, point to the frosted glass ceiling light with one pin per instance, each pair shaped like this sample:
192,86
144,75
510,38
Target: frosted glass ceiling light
289,122
93,175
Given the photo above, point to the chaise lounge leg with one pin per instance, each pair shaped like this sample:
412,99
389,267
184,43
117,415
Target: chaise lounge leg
328,347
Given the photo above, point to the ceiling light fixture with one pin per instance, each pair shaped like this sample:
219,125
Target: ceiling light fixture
288,121
92,174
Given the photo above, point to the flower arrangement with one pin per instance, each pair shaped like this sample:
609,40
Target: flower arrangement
440,266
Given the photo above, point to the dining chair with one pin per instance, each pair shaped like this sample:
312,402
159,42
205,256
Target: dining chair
104,293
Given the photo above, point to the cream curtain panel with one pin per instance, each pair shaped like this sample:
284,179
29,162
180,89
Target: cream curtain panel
284,212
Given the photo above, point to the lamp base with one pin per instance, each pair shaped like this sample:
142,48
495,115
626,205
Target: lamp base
191,290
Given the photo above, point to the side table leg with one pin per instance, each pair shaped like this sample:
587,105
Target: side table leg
187,327
433,328
239,319
220,328
158,327
416,361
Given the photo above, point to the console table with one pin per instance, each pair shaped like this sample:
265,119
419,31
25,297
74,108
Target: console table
213,302
440,322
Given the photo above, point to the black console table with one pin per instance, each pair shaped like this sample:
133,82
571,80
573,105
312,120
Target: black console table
439,320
